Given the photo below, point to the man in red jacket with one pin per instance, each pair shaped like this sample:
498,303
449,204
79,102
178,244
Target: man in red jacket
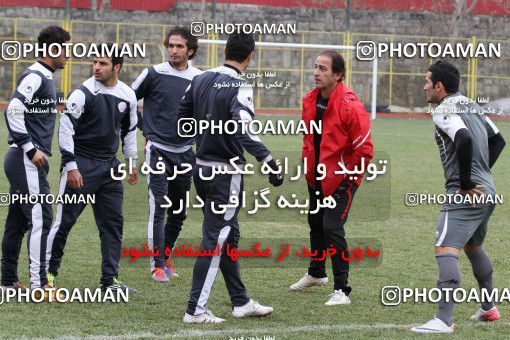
342,146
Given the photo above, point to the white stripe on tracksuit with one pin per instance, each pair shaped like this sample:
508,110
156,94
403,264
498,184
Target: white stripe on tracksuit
32,175
58,218
211,274
235,187
152,207
444,231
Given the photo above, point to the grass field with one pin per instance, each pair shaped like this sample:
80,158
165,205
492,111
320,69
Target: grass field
406,235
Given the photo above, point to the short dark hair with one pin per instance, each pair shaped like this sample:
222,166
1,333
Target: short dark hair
337,62
447,74
117,58
53,35
239,46
191,40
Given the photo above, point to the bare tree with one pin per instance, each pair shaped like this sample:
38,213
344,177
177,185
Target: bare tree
460,11
100,33
97,13
93,7
332,21
105,4
203,8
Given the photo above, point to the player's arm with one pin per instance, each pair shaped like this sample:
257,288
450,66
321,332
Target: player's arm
128,136
26,92
68,121
242,111
141,86
186,104
495,141
357,122
306,136
455,128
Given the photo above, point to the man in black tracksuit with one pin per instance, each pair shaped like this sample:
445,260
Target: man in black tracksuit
30,118
162,87
99,112
204,100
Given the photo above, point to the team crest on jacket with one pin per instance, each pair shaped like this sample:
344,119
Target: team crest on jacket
122,106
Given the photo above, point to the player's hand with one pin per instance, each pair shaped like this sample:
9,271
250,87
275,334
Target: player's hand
476,191
74,179
276,179
39,159
133,177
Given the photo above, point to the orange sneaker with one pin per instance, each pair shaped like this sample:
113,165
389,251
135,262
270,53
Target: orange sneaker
486,315
169,269
159,275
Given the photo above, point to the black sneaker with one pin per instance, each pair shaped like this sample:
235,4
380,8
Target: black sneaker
117,285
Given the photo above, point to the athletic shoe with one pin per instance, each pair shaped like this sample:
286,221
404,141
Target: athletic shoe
117,285
50,294
486,315
252,308
206,317
169,269
435,325
18,286
308,281
338,298
51,279
159,275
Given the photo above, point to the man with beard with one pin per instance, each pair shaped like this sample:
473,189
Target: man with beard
162,87
99,112
469,145
30,117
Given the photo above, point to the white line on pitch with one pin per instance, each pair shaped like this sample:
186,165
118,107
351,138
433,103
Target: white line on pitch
270,331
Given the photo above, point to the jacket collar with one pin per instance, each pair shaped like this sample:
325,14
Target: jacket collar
339,89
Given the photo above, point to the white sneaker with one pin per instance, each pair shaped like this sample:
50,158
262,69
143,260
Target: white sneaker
308,281
338,298
486,315
435,325
206,317
252,308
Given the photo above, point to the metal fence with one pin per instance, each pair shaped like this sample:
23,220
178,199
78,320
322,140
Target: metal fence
400,80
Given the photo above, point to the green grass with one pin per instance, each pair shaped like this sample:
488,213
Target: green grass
406,235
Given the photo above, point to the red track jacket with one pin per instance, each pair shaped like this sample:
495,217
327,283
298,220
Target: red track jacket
345,136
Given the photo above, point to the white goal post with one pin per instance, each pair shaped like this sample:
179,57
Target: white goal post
314,46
